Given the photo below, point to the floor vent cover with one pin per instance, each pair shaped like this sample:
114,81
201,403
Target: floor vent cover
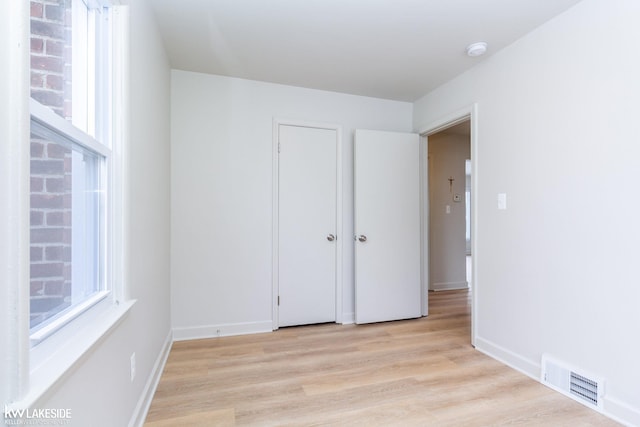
584,388
580,386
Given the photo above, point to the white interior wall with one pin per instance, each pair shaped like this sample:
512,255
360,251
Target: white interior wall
557,270
98,389
221,177
447,243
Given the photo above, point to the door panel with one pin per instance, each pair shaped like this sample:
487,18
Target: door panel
307,216
387,213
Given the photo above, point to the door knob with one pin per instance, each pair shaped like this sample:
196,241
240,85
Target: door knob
362,238
331,237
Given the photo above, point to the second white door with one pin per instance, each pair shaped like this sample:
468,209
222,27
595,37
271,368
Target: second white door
387,226
307,218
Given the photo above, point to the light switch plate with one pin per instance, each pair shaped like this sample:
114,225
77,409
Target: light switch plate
502,201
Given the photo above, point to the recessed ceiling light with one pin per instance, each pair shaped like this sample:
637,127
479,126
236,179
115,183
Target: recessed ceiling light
476,49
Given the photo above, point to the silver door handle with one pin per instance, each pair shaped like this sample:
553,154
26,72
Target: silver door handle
362,238
331,237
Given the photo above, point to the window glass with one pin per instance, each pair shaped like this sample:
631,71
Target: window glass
69,71
65,227
66,61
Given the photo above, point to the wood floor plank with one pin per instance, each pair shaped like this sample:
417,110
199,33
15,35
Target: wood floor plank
407,373
365,375
222,418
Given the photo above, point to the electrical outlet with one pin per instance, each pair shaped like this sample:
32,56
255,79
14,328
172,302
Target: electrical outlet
133,366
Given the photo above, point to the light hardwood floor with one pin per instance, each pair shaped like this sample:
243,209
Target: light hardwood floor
420,372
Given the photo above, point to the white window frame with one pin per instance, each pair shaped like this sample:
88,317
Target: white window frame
54,128
37,370
90,89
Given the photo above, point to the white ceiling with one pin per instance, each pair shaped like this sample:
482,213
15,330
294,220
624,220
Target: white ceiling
393,49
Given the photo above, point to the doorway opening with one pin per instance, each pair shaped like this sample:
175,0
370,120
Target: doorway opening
449,226
449,238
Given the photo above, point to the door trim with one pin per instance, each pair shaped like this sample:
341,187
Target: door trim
470,113
340,240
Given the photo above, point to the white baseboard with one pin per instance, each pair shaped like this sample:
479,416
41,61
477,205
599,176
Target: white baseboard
509,358
613,408
621,412
142,408
224,330
449,286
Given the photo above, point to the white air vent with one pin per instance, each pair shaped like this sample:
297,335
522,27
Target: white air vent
572,382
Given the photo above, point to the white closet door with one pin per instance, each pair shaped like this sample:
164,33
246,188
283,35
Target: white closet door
387,226
307,225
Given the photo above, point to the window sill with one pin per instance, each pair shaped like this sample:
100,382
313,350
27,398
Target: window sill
54,326
55,356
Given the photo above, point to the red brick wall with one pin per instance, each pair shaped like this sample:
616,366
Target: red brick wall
50,162
51,54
